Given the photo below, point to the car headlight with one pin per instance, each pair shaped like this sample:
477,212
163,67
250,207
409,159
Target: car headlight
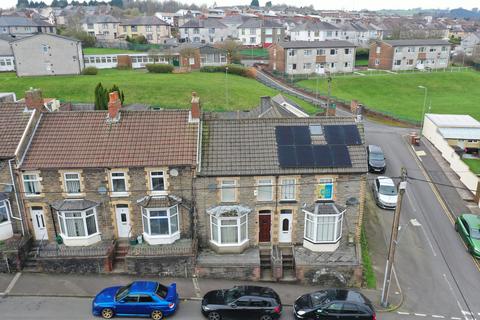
205,308
300,312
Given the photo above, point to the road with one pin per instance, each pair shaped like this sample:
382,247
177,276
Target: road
437,275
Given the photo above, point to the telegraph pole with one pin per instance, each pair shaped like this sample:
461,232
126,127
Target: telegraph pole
402,186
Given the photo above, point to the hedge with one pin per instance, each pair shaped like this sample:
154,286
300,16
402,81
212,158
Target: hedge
232,69
90,71
159,68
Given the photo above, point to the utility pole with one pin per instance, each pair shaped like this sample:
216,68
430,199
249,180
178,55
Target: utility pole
329,80
226,86
402,186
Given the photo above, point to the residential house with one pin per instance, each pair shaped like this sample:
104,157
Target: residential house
168,17
209,30
102,27
255,32
21,25
47,54
7,61
315,31
409,54
232,23
195,55
152,28
306,57
280,195
470,42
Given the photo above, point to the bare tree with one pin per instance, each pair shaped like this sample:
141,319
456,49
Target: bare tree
187,53
232,47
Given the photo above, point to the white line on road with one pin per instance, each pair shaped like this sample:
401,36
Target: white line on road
419,224
420,314
437,316
455,318
12,283
403,313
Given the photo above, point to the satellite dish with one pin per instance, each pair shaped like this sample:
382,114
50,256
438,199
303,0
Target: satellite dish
174,172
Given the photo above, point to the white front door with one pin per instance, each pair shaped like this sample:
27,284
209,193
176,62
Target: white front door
320,68
285,232
38,222
123,220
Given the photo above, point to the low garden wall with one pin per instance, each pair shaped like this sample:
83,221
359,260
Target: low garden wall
14,253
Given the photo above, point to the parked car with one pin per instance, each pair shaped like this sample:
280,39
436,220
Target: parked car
376,159
468,226
242,302
385,193
139,298
334,304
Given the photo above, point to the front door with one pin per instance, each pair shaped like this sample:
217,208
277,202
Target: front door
285,232
265,221
38,222
123,220
320,68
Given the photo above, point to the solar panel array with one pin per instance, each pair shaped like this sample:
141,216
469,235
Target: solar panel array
295,148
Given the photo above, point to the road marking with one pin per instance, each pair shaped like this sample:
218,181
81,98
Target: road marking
415,222
455,318
197,287
437,316
420,153
420,314
11,284
403,313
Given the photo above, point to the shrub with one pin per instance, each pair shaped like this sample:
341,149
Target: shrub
90,71
232,69
159,68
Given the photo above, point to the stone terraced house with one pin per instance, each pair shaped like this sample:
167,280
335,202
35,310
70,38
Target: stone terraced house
280,198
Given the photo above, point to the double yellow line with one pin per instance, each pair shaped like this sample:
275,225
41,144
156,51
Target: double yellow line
447,211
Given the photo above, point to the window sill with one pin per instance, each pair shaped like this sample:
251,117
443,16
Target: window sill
74,195
34,195
81,241
158,193
119,194
6,230
166,239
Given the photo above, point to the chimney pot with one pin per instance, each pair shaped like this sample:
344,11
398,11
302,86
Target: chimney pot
195,112
34,99
114,105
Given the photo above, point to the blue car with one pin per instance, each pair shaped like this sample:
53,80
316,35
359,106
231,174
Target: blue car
139,298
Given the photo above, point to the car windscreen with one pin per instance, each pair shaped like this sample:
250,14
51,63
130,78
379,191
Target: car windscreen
318,298
475,233
376,156
388,190
122,292
232,295
162,291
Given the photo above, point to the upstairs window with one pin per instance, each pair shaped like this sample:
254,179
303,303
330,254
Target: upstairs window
119,184
325,189
157,181
72,182
264,190
287,190
228,190
31,184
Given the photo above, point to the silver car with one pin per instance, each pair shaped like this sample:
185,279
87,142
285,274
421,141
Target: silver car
385,192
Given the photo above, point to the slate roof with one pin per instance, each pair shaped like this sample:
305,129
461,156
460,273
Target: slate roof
13,121
417,42
316,44
83,139
73,205
204,23
44,35
144,21
260,23
11,21
248,147
315,26
100,19
158,202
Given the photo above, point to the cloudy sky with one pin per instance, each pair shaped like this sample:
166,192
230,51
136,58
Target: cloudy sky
337,4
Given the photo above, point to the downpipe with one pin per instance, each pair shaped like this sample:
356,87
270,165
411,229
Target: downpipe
16,198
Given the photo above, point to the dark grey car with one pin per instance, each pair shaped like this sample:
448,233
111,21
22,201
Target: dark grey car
376,159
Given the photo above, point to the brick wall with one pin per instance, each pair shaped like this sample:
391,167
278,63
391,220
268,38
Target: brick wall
385,56
276,58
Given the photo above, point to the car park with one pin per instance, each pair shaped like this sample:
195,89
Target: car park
242,302
376,159
468,226
385,192
334,304
139,298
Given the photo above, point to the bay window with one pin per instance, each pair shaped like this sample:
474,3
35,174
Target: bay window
78,224
323,227
287,190
119,183
264,190
72,182
4,212
228,190
229,230
6,230
161,225
31,184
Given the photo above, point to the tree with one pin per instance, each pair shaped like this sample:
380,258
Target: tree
87,40
268,4
187,53
255,4
101,99
233,50
116,3
22,4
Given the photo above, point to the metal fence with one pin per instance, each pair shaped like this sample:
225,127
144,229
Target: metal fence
182,248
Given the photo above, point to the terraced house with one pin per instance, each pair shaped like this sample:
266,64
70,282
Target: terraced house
115,175
152,28
102,27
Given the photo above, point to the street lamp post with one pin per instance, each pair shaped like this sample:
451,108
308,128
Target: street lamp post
424,106
226,86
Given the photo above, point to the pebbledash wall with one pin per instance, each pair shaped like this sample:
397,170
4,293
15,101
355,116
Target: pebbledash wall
92,180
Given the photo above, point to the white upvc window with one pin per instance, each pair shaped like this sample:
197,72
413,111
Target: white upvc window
333,52
411,49
157,182
229,230
287,190
323,228
291,52
307,52
228,190
119,183
78,224
378,50
31,184
72,183
264,190
4,211
325,189
161,222
320,52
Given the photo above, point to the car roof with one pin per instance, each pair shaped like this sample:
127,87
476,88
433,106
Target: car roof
143,287
473,220
374,148
346,296
385,181
258,291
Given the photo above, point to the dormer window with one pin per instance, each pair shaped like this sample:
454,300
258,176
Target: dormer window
316,130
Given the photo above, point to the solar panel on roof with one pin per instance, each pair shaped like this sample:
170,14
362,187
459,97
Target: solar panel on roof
286,156
305,156
284,135
341,157
334,134
301,135
342,134
322,156
351,134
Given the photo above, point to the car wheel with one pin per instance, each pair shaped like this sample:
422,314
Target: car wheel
266,317
107,313
214,316
157,315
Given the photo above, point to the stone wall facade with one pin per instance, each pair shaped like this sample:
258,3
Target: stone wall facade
14,253
173,266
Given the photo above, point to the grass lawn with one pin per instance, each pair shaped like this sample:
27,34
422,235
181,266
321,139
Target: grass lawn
361,62
473,164
164,90
449,92
256,52
107,51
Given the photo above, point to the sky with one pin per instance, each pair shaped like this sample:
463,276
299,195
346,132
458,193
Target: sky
329,4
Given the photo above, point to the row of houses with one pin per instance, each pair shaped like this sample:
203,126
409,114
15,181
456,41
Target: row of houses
217,194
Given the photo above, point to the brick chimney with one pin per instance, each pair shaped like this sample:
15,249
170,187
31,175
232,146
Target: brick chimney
196,111
331,110
114,105
34,99
353,106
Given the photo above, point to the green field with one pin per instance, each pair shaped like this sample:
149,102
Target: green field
164,90
473,164
361,62
255,53
398,94
107,51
